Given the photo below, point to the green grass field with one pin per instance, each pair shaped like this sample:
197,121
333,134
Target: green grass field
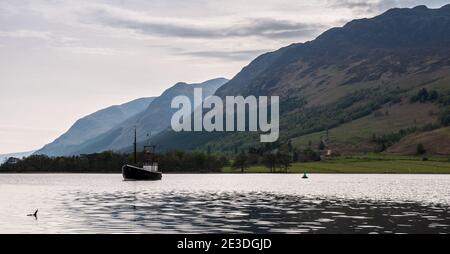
369,164
362,130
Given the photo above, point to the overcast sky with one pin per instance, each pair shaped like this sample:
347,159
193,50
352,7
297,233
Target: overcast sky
61,60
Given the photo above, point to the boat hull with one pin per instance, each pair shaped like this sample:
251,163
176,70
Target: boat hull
132,173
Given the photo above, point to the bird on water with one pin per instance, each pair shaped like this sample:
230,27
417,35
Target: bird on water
34,214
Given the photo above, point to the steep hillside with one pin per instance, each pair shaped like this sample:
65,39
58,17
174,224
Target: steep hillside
436,142
342,78
397,42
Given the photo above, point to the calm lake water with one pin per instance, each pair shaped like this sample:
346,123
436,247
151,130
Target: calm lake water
71,203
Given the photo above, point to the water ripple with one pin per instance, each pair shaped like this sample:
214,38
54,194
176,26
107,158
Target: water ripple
253,212
226,204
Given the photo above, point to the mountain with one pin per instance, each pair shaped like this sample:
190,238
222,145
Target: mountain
353,87
4,157
364,50
93,125
151,121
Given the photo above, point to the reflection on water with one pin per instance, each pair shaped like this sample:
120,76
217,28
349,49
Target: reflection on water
226,204
231,212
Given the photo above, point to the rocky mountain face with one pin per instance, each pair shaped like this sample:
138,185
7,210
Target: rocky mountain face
93,125
355,81
363,50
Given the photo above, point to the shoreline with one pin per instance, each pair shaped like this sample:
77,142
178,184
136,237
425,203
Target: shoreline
356,164
229,173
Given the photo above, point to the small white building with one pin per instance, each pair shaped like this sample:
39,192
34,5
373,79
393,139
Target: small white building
12,161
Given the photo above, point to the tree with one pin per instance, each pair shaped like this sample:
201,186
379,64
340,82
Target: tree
224,161
295,155
422,96
308,155
420,149
284,161
270,161
445,117
241,162
374,137
383,147
109,162
434,96
290,147
321,145
235,149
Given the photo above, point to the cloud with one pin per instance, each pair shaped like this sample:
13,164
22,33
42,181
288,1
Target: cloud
363,5
374,6
259,27
47,36
22,34
242,55
272,28
63,43
351,4
91,50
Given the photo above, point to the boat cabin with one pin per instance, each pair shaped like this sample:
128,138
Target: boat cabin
150,163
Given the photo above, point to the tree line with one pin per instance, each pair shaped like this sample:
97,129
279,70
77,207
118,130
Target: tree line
278,159
111,162
275,156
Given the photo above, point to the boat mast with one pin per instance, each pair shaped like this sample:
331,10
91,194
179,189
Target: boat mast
135,147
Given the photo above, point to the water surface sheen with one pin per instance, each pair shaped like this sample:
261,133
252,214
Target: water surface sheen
211,203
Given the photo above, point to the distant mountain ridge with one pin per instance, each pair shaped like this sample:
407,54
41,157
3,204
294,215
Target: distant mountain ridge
93,125
153,120
148,121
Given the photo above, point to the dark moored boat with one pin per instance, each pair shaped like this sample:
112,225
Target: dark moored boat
132,173
148,171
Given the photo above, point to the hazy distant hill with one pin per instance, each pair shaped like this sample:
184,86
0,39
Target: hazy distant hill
149,122
358,81
93,125
4,157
